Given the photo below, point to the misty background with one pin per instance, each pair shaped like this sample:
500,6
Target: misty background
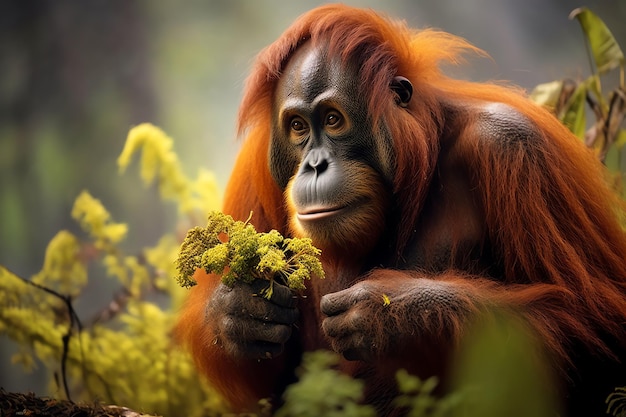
75,76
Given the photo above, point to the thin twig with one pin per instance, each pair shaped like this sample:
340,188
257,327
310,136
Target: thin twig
74,320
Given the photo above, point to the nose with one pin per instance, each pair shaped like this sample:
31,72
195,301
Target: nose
316,160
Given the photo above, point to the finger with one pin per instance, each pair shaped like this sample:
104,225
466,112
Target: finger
279,294
250,349
249,300
334,327
262,309
340,301
255,350
353,347
344,324
248,331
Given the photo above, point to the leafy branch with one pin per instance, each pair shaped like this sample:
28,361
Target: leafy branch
569,99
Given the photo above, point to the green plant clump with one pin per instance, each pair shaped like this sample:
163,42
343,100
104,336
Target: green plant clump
236,250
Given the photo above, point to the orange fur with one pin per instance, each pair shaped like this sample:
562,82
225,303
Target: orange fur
238,381
548,212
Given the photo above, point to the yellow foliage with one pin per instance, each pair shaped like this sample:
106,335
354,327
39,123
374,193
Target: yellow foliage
159,161
161,257
62,269
126,356
96,220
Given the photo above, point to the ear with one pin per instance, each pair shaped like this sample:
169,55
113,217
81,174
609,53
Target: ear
403,89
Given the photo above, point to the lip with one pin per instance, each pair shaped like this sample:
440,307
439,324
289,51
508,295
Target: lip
319,213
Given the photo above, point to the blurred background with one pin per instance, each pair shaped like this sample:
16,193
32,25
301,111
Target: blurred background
75,76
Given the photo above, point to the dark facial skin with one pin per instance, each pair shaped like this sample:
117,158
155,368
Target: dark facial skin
336,174
335,169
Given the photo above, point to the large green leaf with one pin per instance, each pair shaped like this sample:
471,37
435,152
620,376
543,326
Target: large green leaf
606,51
574,116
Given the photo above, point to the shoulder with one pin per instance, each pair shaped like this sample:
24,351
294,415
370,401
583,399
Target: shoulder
505,124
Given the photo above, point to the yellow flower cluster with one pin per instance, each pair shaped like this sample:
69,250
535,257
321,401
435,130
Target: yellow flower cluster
236,246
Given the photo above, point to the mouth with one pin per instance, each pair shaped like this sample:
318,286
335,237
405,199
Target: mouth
318,213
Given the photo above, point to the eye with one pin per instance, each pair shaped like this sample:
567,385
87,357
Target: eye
297,125
333,119
298,129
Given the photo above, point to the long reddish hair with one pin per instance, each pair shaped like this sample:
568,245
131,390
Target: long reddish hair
383,49
565,231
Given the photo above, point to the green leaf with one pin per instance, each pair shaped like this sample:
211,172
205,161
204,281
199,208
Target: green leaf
547,94
606,51
574,112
